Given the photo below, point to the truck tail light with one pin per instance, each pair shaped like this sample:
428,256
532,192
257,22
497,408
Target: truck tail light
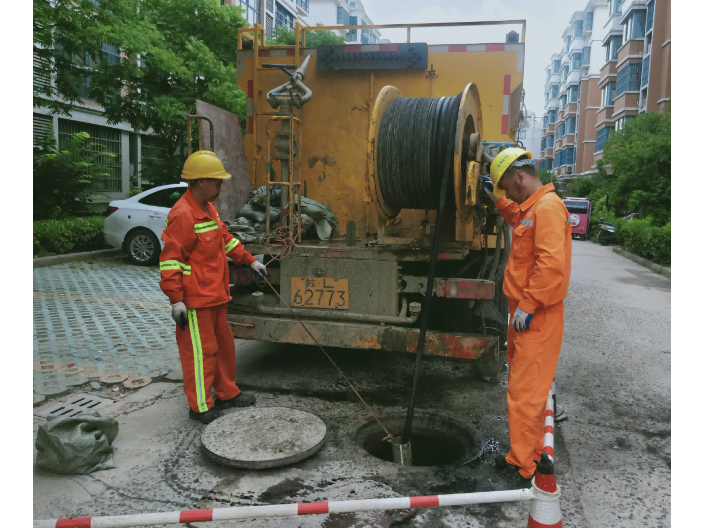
239,276
110,210
465,289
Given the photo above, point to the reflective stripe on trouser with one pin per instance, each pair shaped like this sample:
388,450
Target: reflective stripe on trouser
207,351
532,359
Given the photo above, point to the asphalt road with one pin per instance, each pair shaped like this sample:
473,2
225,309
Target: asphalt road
612,455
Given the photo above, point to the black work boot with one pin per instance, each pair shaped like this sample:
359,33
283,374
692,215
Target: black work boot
500,462
205,417
241,400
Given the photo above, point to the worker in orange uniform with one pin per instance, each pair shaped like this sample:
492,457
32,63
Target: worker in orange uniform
535,284
195,277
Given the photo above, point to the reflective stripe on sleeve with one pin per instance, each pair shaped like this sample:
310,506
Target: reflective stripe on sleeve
197,360
206,226
527,223
174,265
232,244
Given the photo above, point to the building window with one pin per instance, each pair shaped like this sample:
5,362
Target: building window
111,141
522,134
565,71
586,55
614,7
568,41
608,93
546,164
554,90
343,17
628,78
579,29
560,131
550,141
303,4
552,116
284,18
547,97
646,72
545,121
270,6
42,125
563,102
153,155
635,26
352,34
542,144
576,61
269,27
590,21
250,10
649,16
601,137
574,93
622,121
612,46
556,64
549,73
41,79
570,125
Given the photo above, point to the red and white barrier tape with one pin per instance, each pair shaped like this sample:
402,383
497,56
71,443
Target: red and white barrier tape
285,510
549,430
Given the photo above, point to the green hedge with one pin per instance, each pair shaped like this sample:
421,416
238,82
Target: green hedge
70,235
645,240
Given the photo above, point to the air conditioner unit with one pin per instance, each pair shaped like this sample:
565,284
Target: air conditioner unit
569,170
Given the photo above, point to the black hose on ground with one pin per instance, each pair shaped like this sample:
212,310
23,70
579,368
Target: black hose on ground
441,150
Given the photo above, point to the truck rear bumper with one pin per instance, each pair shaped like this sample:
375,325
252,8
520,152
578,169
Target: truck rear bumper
361,336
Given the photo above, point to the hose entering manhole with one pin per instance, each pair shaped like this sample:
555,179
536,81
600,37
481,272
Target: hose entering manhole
422,163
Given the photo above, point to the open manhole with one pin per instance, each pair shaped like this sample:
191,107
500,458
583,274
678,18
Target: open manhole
436,440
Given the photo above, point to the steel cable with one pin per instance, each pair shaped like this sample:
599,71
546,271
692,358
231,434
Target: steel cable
413,135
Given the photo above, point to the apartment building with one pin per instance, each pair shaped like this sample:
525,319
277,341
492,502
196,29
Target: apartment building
285,13
614,64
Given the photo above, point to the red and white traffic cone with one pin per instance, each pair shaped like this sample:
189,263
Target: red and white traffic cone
560,412
545,506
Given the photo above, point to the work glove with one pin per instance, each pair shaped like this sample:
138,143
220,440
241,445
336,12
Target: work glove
488,187
521,320
259,268
179,314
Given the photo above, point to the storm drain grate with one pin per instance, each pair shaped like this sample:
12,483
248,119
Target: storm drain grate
74,405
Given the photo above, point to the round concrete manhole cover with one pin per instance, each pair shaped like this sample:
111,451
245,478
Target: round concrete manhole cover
263,438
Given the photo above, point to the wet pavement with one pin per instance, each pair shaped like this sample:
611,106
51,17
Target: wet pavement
612,455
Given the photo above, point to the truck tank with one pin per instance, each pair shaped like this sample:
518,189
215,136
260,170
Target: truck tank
354,129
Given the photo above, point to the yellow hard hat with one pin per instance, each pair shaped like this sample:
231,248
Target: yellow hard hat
204,164
503,161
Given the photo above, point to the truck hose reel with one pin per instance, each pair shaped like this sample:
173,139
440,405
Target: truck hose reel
407,140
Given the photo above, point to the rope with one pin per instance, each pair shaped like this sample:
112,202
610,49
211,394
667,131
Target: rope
388,436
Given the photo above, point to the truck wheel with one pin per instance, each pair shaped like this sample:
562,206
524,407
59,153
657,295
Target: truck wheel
142,247
584,238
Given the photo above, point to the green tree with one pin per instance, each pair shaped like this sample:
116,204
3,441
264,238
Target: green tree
640,156
173,52
62,177
287,37
546,176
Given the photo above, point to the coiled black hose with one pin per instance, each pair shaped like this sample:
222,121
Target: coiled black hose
413,138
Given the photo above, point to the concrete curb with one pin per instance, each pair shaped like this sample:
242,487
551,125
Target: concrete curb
657,268
54,260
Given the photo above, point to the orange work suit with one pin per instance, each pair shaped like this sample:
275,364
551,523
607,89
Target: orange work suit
193,266
536,280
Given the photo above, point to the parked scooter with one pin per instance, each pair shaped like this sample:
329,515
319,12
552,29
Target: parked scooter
607,232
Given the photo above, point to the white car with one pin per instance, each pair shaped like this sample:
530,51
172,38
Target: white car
135,224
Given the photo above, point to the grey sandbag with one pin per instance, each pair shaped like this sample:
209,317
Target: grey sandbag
76,445
258,196
258,214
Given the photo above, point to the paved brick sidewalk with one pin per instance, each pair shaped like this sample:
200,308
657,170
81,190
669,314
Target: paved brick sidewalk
103,316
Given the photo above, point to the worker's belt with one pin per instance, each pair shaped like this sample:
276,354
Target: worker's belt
206,226
174,265
232,244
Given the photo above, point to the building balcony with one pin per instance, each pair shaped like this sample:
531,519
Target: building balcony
571,108
577,44
550,129
627,101
568,139
574,77
630,48
604,114
301,7
598,155
552,103
607,72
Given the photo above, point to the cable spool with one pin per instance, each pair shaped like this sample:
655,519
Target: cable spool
408,140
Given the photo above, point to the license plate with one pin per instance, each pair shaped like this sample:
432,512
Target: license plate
315,292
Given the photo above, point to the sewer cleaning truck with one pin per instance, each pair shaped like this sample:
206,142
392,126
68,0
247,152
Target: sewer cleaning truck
374,132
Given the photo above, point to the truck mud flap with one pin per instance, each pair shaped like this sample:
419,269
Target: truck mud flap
362,336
